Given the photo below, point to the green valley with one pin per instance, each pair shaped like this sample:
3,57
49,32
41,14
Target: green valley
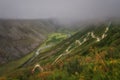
90,53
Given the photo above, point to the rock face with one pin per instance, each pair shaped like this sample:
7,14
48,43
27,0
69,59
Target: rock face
19,37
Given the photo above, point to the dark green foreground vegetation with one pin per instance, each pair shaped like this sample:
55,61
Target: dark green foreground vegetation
89,61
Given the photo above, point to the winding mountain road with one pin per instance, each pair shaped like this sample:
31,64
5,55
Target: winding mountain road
84,40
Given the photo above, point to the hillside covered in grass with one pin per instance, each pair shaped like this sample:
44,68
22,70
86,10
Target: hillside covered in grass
92,53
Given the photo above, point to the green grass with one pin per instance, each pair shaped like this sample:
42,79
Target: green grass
7,68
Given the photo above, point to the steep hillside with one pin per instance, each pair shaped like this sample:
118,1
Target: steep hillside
19,37
92,53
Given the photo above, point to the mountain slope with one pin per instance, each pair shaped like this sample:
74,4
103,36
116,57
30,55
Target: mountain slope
19,37
90,54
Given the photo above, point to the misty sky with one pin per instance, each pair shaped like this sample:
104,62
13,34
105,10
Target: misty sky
66,9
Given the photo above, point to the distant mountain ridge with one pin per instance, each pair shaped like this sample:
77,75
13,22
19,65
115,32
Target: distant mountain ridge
19,37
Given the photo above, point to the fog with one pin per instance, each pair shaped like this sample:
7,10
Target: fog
59,9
